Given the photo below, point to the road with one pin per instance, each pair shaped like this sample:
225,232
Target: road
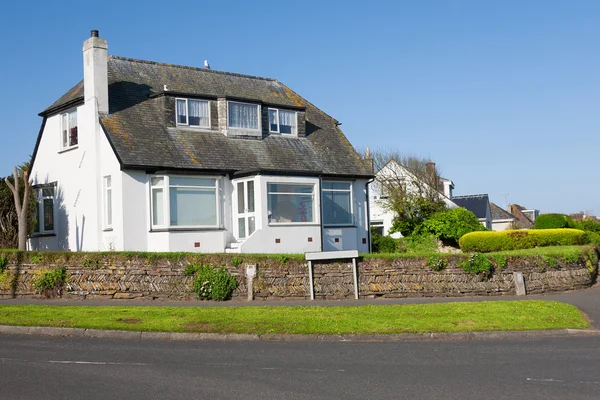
68,368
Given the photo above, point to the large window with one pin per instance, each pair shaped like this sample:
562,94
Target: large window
45,210
184,202
281,121
193,112
289,202
107,202
69,136
337,203
242,115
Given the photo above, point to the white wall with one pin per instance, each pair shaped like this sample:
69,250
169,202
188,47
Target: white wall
501,224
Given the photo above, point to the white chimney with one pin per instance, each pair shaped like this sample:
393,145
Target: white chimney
95,71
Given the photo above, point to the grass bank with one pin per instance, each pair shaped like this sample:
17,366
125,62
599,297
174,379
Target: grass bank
378,319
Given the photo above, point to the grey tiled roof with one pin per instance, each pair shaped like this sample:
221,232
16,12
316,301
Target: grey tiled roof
499,213
476,203
137,130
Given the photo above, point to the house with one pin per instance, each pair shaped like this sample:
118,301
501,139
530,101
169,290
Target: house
501,219
392,173
525,218
478,204
147,156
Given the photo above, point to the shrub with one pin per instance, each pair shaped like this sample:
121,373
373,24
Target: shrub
553,221
478,264
3,262
592,238
588,225
450,225
417,244
211,283
50,283
383,244
437,263
523,239
236,261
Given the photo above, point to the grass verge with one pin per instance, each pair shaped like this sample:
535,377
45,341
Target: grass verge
371,319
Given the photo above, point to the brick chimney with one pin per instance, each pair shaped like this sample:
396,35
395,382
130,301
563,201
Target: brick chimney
95,71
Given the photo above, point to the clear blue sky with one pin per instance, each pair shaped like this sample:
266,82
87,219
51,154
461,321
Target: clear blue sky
503,95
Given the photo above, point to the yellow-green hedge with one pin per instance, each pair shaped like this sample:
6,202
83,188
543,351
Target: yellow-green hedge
520,239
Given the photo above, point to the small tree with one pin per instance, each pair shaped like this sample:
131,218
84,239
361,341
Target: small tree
450,225
21,206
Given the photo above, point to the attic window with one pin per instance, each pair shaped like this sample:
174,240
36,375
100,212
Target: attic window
193,113
281,121
69,137
242,115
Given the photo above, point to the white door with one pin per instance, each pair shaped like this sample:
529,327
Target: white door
246,219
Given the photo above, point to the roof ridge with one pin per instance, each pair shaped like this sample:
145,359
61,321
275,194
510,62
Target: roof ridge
193,68
470,195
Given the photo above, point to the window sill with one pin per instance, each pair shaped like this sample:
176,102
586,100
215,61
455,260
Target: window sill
68,149
194,128
340,226
107,229
276,224
41,235
207,229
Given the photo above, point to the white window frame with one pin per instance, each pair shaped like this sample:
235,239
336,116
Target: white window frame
350,190
278,131
67,115
312,194
108,214
166,212
187,113
258,116
40,214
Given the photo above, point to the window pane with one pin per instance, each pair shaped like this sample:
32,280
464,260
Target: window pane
244,116
336,208
273,125
108,182
73,139
48,214
198,113
336,185
193,207
290,207
250,196
240,197
65,130
179,181
251,225
109,207
241,228
157,181
289,188
287,121
181,112
48,192
158,206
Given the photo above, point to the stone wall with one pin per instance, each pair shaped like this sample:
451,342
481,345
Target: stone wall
128,276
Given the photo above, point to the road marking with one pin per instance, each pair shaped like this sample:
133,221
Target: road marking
94,363
563,381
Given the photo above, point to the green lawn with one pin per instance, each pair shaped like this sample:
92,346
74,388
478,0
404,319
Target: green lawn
372,319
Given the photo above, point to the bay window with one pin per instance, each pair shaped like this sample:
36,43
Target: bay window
242,115
281,121
290,202
337,203
193,112
184,202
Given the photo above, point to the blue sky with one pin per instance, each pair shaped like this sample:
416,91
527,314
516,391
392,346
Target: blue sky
503,96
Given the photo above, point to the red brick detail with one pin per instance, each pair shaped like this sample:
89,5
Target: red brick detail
337,240
277,240
196,244
310,239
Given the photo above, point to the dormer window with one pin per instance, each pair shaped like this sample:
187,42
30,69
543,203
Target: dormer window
282,121
242,115
69,136
194,113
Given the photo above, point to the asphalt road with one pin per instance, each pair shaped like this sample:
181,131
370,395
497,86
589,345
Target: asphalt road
67,368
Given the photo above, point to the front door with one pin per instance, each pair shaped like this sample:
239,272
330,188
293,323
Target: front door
246,219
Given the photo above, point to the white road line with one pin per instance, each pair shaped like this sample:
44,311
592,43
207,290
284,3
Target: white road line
94,363
563,381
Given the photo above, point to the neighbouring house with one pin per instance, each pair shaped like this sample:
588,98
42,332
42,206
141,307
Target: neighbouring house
147,156
524,218
583,215
501,219
381,217
478,204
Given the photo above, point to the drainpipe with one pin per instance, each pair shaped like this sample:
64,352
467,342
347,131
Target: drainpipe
368,215
321,210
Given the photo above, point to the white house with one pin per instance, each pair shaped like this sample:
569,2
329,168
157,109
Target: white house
381,216
148,156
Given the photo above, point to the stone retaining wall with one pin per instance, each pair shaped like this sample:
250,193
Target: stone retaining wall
92,275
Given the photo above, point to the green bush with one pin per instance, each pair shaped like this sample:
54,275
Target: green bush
383,244
211,283
478,264
3,262
437,263
50,283
520,239
553,221
590,225
450,225
417,244
592,238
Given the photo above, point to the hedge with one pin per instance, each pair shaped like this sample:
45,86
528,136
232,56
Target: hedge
520,239
553,221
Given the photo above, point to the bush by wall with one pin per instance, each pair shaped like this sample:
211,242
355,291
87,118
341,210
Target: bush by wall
383,244
450,225
520,239
553,221
211,283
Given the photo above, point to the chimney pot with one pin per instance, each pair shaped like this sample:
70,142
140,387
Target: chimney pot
94,33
